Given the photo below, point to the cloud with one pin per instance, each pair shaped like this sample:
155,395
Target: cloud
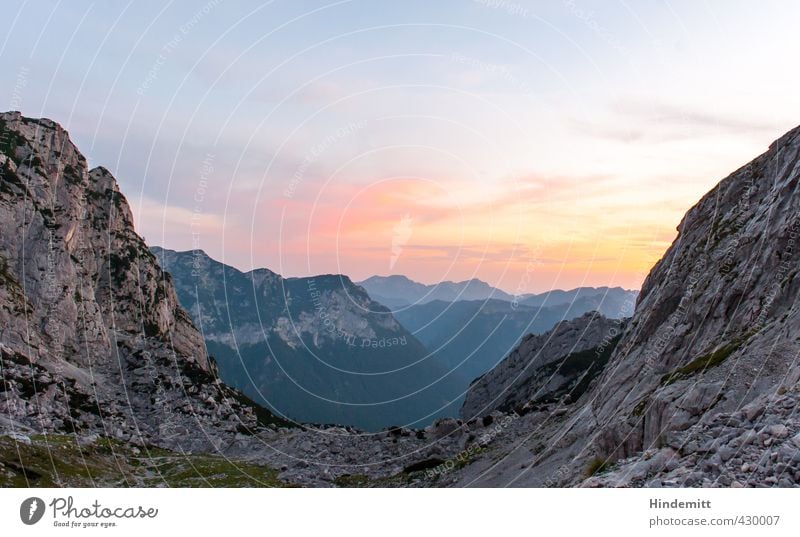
183,227
643,121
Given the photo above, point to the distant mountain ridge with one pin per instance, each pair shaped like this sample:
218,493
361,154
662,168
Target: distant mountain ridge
475,335
398,291
316,349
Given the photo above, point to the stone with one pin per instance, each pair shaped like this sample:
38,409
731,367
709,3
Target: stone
777,430
747,437
725,453
753,410
19,438
445,427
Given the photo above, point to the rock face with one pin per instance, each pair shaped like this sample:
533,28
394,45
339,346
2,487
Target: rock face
316,350
91,333
545,368
712,344
755,446
717,320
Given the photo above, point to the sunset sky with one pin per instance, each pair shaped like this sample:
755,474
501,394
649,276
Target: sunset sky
534,145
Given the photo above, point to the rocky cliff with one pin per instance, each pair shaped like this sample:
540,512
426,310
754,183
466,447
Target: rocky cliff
91,333
716,324
557,365
708,361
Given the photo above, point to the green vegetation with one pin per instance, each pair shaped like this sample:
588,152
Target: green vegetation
595,466
60,460
6,278
414,472
701,364
640,407
71,173
401,479
9,141
352,481
263,415
586,365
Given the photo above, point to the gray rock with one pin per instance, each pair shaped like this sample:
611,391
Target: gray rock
707,349
725,453
545,368
101,315
777,430
19,437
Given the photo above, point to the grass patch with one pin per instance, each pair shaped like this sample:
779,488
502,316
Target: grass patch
595,466
640,407
701,364
57,460
352,481
401,479
177,470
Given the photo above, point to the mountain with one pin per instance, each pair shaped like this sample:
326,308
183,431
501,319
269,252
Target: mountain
472,336
316,349
92,338
104,379
546,368
614,302
701,388
398,291
715,334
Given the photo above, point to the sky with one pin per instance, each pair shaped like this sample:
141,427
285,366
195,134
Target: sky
534,145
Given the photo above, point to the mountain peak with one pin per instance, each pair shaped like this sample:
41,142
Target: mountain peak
101,315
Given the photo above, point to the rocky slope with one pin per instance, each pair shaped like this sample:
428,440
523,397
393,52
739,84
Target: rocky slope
559,364
316,350
755,446
717,323
91,334
706,372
